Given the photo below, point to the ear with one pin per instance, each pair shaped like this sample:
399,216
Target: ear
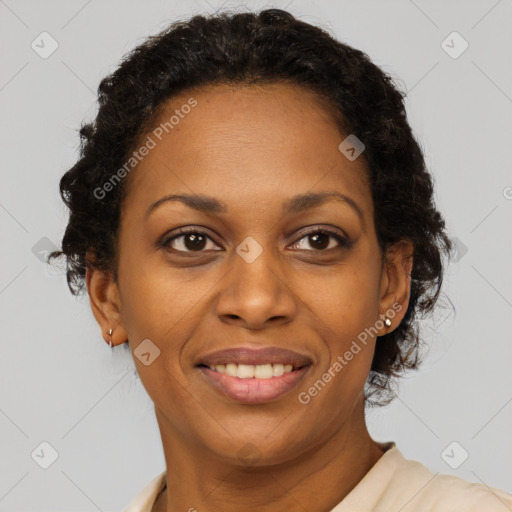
105,304
395,285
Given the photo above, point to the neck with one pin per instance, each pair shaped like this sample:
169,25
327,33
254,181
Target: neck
196,480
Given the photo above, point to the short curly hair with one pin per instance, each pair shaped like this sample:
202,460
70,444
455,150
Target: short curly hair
271,46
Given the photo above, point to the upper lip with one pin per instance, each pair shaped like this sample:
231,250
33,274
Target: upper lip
266,355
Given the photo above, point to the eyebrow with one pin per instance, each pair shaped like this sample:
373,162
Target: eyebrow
293,205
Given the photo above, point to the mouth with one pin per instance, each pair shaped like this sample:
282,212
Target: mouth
254,376
251,371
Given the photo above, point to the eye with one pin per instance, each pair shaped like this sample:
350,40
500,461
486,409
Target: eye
318,239
190,240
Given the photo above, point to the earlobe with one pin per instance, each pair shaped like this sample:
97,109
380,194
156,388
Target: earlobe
105,304
396,283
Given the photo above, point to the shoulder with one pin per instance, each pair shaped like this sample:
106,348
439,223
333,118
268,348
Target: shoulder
432,492
146,498
470,496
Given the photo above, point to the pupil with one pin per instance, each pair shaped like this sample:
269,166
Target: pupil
197,241
320,245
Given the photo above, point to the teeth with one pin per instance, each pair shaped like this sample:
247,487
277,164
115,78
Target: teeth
231,369
245,371
263,371
249,371
278,370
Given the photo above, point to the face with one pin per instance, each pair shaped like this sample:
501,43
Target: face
280,252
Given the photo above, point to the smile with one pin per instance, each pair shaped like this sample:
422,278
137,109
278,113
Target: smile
253,390
254,376
250,371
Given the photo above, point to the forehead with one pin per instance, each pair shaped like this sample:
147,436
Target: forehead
246,144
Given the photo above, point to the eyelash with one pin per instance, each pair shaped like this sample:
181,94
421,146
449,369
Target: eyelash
343,242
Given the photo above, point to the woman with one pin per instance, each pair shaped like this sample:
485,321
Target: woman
252,216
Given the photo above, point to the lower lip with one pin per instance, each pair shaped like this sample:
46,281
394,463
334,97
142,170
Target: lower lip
254,391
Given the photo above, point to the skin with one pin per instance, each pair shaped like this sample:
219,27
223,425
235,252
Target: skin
252,148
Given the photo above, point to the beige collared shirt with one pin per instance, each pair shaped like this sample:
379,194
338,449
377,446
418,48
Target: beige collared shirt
393,484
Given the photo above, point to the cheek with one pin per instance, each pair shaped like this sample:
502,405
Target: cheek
156,324
153,298
142,306
159,305
347,302
347,310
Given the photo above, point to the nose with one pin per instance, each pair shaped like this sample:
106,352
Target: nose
255,294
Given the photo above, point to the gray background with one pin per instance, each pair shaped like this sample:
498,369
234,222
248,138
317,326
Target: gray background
60,383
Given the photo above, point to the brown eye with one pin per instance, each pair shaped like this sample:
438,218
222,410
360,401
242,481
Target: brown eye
320,240
190,240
